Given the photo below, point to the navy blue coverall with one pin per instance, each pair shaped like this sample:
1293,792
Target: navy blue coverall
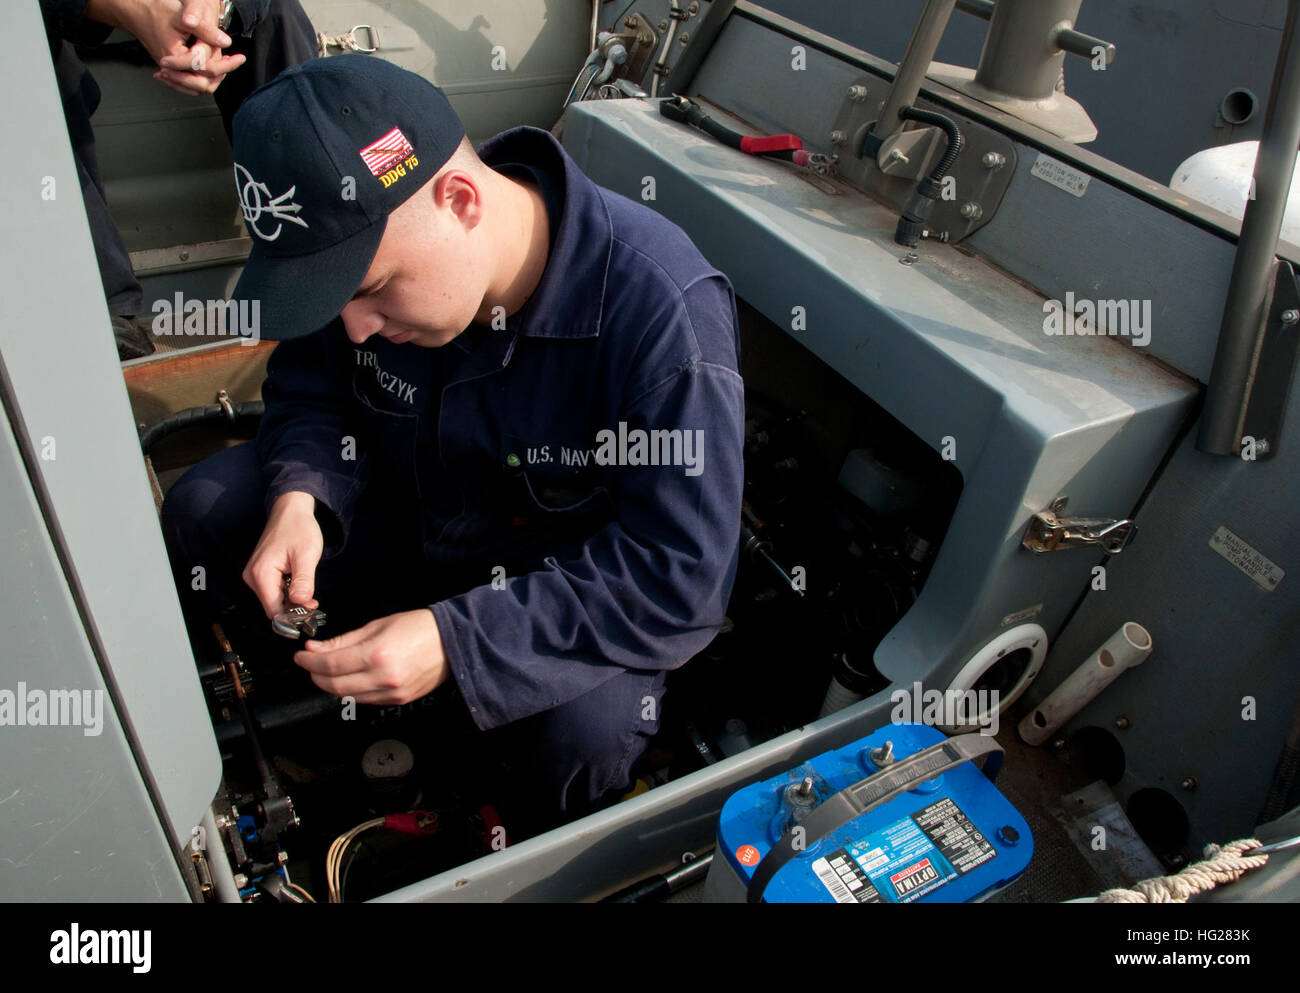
566,579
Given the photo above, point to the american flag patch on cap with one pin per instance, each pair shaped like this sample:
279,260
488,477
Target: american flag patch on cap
382,155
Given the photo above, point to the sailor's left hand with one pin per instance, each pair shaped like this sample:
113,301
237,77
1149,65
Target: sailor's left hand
392,660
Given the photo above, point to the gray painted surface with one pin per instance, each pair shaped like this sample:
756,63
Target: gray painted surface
60,358
1157,104
949,346
1218,638
76,823
1108,244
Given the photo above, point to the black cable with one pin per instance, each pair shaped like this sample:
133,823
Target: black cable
183,419
911,223
949,127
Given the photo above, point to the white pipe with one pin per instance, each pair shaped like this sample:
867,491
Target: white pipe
1127,647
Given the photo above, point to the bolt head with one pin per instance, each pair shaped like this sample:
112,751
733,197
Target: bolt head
240,880
1122,722
857,92
838,138
1290,316
972,210
1189,783
1058,744
993,160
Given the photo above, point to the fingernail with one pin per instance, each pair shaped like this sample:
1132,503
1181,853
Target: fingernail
191,19
225,39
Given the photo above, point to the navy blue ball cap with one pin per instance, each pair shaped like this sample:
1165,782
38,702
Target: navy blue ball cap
323,154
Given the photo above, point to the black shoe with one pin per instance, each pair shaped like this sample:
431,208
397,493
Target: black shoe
133,339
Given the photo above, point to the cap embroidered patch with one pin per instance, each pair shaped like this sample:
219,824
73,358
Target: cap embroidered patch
382,155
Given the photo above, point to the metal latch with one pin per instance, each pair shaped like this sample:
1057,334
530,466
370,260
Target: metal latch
1050,530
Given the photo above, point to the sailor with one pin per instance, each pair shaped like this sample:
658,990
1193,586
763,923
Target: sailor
456,330
194,55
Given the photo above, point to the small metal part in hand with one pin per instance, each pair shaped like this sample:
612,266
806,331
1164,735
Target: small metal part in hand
298,621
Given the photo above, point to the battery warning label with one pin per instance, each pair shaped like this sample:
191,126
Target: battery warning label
907,859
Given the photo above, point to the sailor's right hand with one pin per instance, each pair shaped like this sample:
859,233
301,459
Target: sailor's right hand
291,545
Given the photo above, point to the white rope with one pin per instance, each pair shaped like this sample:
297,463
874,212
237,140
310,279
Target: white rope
1222,865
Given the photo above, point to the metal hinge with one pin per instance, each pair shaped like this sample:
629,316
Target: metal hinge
1050,530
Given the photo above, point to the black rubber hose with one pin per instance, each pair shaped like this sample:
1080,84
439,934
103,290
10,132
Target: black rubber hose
183,419
949,127
912,221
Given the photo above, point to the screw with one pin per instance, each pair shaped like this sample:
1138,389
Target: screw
838,138
282,857
1261,445
1122,722
663,24
993,160
240,880
1189,783
857,93
972,210
1058,744
185,256
895,156
883,756
685,39
805,788
1290,316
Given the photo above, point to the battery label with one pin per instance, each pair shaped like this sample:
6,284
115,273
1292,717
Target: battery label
907,859
954,835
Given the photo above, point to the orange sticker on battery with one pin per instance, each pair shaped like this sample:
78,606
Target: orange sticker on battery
747,855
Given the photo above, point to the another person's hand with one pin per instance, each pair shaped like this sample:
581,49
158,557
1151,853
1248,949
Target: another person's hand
291,544
392,660
164,28
202,67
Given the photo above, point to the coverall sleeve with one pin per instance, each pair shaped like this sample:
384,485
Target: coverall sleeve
67,19
307,440
647,591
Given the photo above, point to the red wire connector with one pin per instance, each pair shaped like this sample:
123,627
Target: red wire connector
763,144
413,822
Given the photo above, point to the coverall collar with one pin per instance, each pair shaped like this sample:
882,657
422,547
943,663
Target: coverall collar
579,255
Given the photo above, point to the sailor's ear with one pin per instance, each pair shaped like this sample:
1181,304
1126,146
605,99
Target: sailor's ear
461,193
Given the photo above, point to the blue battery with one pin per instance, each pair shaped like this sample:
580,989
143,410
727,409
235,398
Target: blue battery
948,839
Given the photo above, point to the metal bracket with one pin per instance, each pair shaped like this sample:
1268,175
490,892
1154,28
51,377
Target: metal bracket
1275,368
1050,531
980,176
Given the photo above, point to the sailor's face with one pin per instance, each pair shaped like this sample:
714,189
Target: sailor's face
422,287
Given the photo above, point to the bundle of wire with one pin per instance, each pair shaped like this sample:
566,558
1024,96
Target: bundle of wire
334,858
